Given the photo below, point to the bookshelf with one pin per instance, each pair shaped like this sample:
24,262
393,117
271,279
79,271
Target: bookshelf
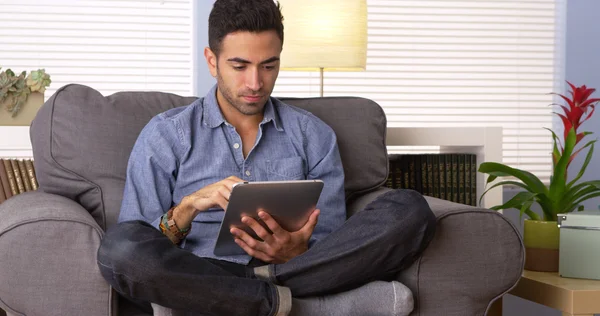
14,142
485,142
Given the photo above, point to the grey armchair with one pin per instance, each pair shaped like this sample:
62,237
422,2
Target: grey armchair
81,143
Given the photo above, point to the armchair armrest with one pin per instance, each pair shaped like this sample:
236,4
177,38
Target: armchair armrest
48,245
476,256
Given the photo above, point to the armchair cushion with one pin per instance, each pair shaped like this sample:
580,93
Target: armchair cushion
82,141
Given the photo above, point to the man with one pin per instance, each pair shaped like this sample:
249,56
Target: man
181,172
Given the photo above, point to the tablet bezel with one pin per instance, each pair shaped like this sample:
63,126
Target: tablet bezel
290,203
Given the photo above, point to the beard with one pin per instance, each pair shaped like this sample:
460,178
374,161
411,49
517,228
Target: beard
236,100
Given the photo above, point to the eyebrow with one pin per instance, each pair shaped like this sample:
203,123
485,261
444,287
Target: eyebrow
243,61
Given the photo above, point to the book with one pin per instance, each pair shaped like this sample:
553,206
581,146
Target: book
461,178
2,196
412,172
431,186
31,174
26,181
454,177
389,182
468,180
4,180
398,173
442,175
405,174
436,175
422,170
474,180
17,174
11,177
449,187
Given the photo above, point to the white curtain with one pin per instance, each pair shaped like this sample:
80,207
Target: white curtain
110,45
459,64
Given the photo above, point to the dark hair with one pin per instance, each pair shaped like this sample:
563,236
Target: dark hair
228,16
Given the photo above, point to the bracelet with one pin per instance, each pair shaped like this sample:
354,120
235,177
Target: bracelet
170,229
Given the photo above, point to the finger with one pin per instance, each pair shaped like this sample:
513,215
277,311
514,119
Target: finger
222,195
271,222
203,204
224,192
229,182
257,228
253,252
222,202
309,227
249,240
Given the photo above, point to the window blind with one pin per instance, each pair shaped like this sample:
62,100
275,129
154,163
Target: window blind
459,64
110,45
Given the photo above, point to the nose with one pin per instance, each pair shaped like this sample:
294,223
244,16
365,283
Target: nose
253,79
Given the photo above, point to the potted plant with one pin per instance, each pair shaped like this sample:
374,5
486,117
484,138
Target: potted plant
22,95
541,235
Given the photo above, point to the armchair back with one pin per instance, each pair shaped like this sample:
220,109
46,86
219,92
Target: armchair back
82,140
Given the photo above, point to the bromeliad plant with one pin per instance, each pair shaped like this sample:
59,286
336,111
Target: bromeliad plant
14,90
560,196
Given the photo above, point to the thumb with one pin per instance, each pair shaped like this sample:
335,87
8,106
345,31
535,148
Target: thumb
309,227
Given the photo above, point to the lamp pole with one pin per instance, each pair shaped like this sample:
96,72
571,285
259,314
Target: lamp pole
322,81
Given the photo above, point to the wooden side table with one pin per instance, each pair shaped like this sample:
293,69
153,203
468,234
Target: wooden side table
579,297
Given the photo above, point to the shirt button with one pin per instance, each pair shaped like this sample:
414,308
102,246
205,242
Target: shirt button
236,145
247,173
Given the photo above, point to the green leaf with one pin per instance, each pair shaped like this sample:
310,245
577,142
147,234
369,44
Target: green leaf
500,170
567,202
517,201
555,151
519,184
526,209
559,179
588,158
587,197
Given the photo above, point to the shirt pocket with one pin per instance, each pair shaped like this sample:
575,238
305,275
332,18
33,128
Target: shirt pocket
291,168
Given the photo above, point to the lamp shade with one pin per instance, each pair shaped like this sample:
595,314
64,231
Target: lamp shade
329,34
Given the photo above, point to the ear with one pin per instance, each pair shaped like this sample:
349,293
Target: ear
211,61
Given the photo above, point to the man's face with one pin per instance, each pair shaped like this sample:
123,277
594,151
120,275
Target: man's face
246,70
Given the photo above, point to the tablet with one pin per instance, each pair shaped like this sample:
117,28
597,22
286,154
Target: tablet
290,203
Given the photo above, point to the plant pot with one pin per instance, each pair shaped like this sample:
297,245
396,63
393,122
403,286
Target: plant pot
541,241
26,114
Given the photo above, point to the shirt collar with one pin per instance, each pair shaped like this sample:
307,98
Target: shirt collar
212,116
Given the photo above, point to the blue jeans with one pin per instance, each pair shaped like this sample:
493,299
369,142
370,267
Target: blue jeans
140,263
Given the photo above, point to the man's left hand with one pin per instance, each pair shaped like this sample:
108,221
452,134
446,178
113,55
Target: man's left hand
278,247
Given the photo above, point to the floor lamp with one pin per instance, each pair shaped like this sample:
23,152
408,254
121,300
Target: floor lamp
324,35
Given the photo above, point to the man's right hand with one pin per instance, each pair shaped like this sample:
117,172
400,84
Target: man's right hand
213,195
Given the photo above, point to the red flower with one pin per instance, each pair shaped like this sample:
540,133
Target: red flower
579,104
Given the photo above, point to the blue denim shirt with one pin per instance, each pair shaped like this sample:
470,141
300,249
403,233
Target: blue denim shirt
187,148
